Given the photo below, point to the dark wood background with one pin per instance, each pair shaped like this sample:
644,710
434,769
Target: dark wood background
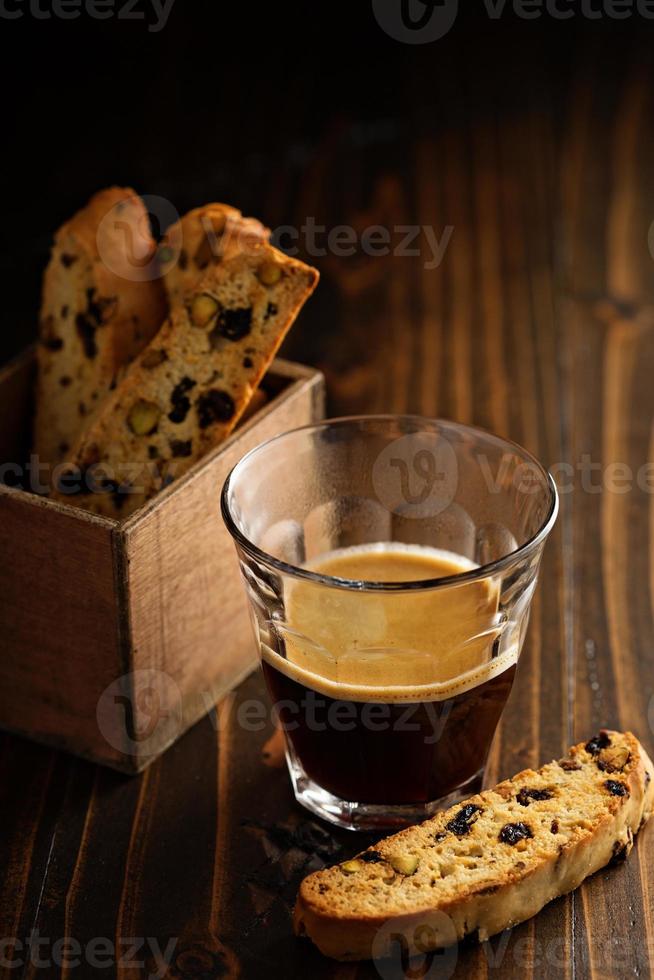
533,139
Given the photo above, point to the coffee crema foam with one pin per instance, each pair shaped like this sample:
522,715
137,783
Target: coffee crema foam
395,646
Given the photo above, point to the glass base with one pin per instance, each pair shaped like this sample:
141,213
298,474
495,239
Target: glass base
370,816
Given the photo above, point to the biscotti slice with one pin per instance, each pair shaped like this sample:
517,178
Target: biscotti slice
486,864
185,393
202,238
99,310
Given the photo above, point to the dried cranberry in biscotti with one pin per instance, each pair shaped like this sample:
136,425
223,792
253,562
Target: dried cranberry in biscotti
371,857
86,332
511,833
181,447
53,343
464,819
597,743
525,796
214,406
235,324
180,401
616,788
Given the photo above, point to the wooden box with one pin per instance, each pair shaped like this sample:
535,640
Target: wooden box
117,636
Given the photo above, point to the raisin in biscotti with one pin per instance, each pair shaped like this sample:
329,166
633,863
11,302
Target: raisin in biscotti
202,238
487,864
185,393
93,319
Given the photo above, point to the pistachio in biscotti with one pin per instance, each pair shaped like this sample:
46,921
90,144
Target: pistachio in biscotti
143,417
203,310
351,867
269,273
404,864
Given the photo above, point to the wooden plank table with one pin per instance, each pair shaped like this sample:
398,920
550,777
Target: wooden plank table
537,324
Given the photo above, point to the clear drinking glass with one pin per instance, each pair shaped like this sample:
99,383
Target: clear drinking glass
388,692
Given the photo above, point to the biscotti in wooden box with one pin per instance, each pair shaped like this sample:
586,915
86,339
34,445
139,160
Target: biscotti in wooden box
119,635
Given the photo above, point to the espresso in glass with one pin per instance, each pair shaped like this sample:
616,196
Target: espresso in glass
389,564
396,698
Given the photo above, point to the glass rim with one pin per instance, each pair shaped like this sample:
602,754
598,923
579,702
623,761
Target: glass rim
361,585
